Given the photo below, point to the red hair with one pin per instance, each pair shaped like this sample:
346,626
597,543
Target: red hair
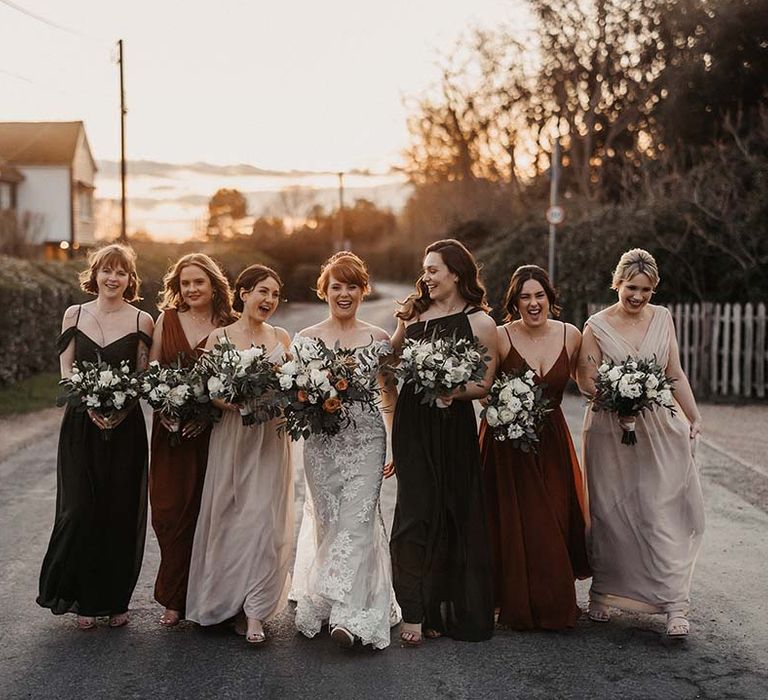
345,267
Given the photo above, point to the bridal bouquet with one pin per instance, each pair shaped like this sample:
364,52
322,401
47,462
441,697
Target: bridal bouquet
246,378
515,409
631,387
179,393
100,387
321,384
439,365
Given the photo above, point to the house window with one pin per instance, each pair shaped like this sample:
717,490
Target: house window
85,202
7,195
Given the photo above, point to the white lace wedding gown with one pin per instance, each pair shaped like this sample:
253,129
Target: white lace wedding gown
343,574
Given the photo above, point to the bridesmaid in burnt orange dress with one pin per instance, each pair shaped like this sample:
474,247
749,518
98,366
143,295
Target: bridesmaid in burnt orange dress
196,299
535,501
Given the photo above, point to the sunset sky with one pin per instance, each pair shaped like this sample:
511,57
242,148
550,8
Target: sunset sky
296,84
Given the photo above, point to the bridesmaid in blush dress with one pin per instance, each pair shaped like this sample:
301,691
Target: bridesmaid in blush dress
244,536
646,505
97,544
196,299
535,500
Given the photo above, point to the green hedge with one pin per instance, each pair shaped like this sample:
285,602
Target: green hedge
34,296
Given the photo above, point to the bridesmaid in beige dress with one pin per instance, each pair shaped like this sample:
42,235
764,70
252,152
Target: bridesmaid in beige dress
646,504
244,536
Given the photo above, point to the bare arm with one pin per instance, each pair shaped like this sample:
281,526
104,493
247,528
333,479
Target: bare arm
589,359
573,346
67,357
157,340
398,337
683,392
147,325
484,327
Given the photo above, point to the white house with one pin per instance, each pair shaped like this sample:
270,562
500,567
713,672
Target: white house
46,169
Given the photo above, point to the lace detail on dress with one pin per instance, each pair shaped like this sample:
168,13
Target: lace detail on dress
343,573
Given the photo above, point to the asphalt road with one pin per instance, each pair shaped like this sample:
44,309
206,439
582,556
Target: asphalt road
43,656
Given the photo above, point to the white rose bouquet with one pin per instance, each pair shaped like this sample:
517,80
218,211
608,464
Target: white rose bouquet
438,365
631,387
101,388
179,393
246,378
320,385
516,408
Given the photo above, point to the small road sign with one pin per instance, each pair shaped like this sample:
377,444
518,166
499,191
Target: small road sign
555,215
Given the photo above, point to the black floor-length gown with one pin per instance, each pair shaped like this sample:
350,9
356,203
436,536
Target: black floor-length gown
95,551
440,550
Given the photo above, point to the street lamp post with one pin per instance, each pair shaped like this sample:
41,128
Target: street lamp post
555,212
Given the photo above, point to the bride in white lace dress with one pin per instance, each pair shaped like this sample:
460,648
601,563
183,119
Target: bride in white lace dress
343,575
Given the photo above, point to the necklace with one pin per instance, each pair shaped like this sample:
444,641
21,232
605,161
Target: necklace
201,321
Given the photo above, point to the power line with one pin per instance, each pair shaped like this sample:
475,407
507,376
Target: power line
50,22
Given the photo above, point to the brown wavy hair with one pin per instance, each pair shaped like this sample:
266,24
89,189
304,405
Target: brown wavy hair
515,289
170,296
112,254
346,267
249,278
462,264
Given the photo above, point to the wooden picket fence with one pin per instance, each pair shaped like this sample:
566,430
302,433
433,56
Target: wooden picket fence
722,347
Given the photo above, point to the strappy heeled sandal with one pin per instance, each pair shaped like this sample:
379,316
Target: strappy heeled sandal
599,612
410,637
677,626
342,637
256,637
430,633
85,622
119,620
170,618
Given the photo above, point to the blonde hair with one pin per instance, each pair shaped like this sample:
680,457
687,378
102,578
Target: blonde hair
170,296
635,262
112,254
346,267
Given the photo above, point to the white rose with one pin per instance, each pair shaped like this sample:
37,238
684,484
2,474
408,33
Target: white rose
106,377
286,382
652,382
614,374
505,415
179,394
302,380
290,368
665,396
515,432
492,416
215,386
76,378
118,399
514,404
92,401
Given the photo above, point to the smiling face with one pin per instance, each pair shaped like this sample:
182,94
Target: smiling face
112,280
343,298
635,293
261,302
533,304
438,278
195,287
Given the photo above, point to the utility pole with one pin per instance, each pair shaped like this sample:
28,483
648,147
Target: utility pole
123,110
554,213
340,231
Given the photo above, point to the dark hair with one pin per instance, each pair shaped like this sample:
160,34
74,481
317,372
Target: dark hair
346,267
112,254
515,289
222,294
461,263
248,279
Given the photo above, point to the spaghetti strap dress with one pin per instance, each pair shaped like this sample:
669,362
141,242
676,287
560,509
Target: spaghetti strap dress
176,477
97,544
439,545
535,505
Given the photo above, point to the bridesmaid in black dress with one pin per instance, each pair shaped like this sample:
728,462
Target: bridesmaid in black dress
96,547
440,551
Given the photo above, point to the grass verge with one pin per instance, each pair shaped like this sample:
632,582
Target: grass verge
31,394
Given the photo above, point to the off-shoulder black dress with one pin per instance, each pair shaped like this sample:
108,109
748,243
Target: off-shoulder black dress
96,547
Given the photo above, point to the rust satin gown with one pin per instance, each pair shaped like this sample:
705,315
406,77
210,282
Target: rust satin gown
176,477
535,506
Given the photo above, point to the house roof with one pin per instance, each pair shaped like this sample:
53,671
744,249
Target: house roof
39,143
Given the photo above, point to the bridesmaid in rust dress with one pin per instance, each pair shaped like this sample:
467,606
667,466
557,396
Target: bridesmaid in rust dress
535,501
196,299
